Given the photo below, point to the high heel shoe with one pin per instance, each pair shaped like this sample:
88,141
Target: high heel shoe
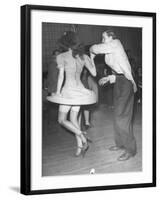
85,144
82,150
87,138
87,126
85,149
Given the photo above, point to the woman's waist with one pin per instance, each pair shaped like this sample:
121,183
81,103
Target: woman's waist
70,82
74,83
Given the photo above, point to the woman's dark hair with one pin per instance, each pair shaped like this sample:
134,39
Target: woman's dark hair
111,33
78,50
55,51
70,40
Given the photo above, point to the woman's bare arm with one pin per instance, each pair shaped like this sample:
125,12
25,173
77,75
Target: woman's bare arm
60,80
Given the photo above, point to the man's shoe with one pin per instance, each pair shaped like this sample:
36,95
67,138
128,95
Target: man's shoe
87,126
125,156
114,148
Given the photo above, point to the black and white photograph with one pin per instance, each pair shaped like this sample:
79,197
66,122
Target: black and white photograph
92,99
88,99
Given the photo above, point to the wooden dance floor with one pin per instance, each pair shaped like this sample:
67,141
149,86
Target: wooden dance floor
59,146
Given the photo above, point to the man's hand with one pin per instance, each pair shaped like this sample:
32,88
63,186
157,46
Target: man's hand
103,80
134,87
110,78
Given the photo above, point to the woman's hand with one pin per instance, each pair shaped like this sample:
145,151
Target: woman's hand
89,64
92,56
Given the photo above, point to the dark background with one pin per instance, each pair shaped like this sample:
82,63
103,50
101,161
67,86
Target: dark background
131,38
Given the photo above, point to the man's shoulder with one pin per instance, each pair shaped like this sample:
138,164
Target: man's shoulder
116,42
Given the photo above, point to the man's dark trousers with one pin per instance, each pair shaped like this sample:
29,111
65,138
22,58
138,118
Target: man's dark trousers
123,95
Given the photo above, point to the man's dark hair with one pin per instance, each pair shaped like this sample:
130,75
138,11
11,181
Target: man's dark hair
111,33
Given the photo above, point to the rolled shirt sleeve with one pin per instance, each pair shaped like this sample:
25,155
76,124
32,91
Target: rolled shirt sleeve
103,48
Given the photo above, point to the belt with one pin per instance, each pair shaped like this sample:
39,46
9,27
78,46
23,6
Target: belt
119,74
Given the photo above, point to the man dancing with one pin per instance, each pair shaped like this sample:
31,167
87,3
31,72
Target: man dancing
123,94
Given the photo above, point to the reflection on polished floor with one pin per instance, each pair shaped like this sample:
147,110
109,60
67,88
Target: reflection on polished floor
59,145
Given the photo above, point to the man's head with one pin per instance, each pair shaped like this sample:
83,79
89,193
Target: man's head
108,36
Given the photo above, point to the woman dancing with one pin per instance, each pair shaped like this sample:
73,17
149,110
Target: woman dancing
71,94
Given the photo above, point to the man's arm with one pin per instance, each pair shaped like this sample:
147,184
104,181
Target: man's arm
104,48
130,77
99,49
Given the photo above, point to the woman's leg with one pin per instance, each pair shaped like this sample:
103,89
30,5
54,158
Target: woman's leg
75,119
86,117
80,119
73,126
62,119
81,140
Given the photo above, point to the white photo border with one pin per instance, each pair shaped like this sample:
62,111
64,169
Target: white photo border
37,182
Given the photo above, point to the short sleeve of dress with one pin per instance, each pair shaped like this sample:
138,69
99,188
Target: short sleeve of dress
87,60
60,62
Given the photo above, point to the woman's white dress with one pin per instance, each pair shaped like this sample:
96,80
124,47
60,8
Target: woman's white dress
73,92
